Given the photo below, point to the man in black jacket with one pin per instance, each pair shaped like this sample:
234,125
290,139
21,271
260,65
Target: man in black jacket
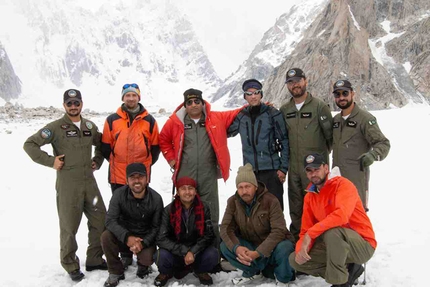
186,237
132,223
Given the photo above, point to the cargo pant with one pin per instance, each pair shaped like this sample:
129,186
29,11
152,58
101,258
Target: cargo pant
77,194
297,183
331,253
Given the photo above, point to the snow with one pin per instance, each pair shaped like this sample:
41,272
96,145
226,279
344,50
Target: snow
29,241
407,65
353,19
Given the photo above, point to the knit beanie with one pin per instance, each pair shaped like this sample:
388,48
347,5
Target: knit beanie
186,181
246,174
130,89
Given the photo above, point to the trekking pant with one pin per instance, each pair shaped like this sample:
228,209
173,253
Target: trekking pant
297,183
74,198
274,186
112,246
278,259
331,253
169,264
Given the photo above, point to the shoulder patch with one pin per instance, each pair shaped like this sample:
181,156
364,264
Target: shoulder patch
89,125
372,122
323,118
45,133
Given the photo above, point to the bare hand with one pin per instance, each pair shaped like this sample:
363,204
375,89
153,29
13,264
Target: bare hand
94,166
172,163
59,162
189,258
242,256
302,256
282,176
135,244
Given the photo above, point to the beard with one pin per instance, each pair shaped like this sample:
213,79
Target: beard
344,104
73,113
298,91
318,180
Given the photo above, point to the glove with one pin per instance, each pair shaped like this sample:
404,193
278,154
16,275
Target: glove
366,159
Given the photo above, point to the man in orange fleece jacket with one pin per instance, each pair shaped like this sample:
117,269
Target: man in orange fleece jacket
336,236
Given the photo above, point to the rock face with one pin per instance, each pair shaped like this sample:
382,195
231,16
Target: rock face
10,85
381,46
277,43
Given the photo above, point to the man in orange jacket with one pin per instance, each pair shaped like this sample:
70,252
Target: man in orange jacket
336,236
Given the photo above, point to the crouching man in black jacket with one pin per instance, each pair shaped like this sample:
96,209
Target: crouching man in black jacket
132,223
186,237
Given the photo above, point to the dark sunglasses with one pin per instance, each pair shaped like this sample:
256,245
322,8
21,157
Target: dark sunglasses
257,92
73,103
126,86
195,101
338,94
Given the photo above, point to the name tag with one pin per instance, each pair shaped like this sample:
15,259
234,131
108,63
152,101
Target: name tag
203,124
291,115
351,124
336,125
72,134
306,115
87,133
187,126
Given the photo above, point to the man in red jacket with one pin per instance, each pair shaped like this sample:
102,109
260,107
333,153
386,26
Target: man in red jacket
336,236
194,143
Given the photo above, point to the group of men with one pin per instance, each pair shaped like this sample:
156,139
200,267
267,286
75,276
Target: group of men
327,209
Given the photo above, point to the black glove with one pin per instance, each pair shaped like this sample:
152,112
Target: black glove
366,159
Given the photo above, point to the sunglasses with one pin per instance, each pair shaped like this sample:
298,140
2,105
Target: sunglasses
126,86
257,92
338,94
73,103
195,101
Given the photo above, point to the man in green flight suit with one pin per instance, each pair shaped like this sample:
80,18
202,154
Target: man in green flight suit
357,140
72,138
309,123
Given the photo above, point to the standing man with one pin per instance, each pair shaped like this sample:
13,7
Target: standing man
264,139
129,135
254,232
357,140
194,143
72,138
336,235
309,123
186,237
132,223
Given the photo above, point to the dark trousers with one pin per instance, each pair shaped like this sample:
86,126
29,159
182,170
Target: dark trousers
204,261
274,185
114,186
125,253
112,246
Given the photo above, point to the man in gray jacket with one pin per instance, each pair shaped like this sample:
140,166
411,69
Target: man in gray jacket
132,223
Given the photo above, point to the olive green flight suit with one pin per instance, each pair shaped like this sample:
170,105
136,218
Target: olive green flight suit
309,131
353,137
77,190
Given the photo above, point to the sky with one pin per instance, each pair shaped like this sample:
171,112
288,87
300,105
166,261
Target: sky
228,30
29,240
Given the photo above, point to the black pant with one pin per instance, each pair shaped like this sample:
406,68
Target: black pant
114,186
274,185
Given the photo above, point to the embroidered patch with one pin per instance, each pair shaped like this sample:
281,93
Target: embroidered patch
372,122
86,133
65,127
291,115
306,115
336,125
203,124
89,125
310,159
45,133
291,73
351,124
323,118
73,133
340,83
188,127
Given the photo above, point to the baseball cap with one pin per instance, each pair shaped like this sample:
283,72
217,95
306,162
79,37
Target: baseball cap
294,74
134,168
72,95
343,85
314,160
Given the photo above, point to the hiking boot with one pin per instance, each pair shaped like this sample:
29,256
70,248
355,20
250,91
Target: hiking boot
162,279
182,273
355,271
102,266
142,271
226,266
204,278
246,280
126,261
76,275
113,280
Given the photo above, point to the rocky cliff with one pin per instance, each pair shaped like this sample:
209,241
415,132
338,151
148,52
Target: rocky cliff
10,85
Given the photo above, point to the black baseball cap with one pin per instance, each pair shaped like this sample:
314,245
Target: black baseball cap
72,95
294,74
134,168
314,160
343,85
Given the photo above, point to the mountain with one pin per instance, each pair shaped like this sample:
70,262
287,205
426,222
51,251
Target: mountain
147,42
277,43
10,85
381,46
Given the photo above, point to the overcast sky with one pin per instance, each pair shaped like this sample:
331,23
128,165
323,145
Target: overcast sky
227,29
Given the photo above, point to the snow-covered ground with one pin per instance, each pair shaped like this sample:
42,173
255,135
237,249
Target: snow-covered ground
29,238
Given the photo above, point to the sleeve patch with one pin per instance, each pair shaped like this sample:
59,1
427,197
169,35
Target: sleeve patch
89,125
372,122
45,133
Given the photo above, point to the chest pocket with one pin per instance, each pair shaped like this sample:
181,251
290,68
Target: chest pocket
263,220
